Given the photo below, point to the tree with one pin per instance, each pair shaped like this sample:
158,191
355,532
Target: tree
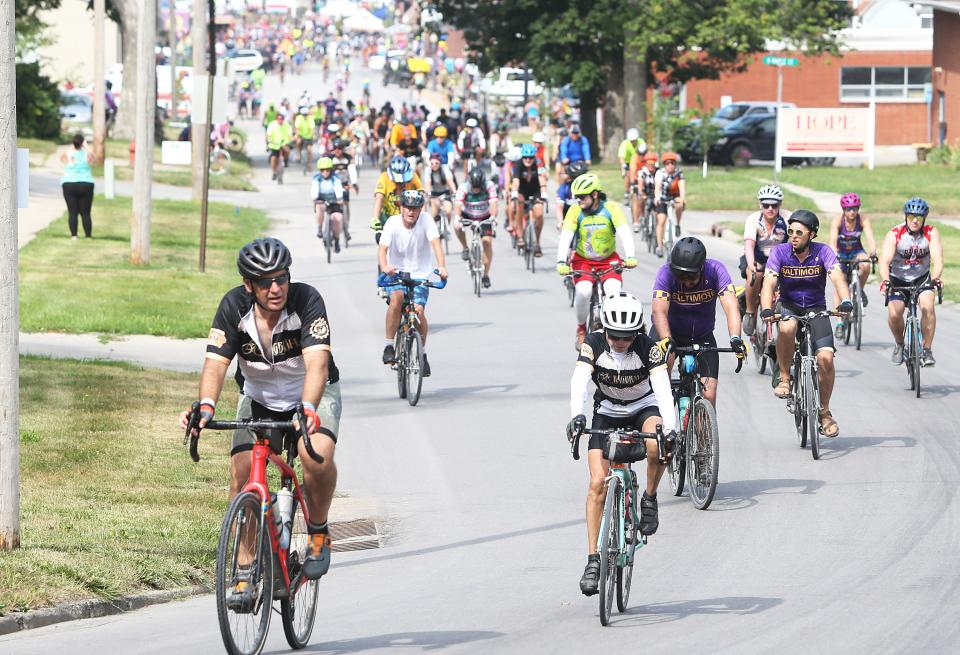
124,13
29,26
38,103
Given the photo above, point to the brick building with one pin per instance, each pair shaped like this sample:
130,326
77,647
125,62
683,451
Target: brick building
946,69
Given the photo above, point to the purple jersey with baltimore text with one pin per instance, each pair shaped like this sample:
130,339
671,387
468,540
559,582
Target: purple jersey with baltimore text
803,283
693,312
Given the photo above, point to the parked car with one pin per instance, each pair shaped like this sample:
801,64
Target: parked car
246,60
737,110
509,83
76,108
752,136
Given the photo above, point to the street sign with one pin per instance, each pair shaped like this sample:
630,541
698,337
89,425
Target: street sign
771,60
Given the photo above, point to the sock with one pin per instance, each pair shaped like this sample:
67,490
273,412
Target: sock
313,528
387,342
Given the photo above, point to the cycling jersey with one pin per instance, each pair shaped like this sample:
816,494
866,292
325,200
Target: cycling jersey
475,205
439,181
304,126
471,139
444,148
529,177
400,133
326,189
574,149
646,180
279,135
693,311
802,283
665,181
273,376
596,233
626,151
911,260
849,240
391,193
755,229
565,195
623,387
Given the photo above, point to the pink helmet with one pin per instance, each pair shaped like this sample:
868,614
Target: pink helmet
849,201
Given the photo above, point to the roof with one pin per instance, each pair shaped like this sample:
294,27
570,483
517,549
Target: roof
941,5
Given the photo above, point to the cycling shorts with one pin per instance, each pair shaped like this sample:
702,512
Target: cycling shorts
820,328
276,153
762,260
306,141
897,282
662,207
440,194
421,293
708,363
604,422
583,265
486,230
328,410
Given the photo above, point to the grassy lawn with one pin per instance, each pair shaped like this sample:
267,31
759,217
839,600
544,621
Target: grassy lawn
233,181
89,285
111,503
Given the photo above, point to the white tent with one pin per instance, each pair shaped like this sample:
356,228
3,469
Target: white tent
339,9
363,21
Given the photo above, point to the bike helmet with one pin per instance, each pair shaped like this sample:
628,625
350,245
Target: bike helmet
440,131
770,192
633,134
650,157
399,170
304,110
478,179
412,198
513,154
263,256
333,128
586,184
688,255
563,131
324,163
340,144
917,206
528,150
849,201
670,156
538,137
622,314
806,218
576,169
472,122
641,146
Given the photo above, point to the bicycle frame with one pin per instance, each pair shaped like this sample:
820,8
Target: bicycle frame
626,476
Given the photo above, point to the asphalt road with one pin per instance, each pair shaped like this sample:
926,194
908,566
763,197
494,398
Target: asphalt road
483,507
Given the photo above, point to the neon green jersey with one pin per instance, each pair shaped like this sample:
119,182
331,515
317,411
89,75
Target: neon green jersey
278,135
304,125
626,151
595,235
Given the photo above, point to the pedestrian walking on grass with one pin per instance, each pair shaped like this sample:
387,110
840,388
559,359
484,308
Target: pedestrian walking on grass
77,184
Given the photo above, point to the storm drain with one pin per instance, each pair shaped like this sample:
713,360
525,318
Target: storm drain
361,534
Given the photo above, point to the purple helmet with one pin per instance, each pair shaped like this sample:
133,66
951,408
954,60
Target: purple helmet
849,201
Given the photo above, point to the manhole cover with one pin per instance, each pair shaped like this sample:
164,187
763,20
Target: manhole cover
361,534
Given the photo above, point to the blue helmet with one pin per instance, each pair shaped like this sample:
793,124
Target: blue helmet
399,170
917,206
528,150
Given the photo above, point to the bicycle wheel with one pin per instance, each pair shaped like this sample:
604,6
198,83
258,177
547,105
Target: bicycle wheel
346,224
857,320
280,168
908,354
532,245
401,363
609,548
571,289
299,614
219,162
476,266
916,358
703,454
799,414
811,405
414,364
625,570
759,344
677,466
244,631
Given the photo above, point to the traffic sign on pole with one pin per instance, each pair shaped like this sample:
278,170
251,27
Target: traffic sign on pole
772,60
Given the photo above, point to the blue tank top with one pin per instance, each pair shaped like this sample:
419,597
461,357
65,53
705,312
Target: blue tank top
78,168
848,240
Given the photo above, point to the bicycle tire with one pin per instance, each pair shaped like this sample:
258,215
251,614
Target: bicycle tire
327,239
280,168
346,225
759,350
609,549
531,239
625,571
908,353
476,266
401,363
677,466
243,520
703,455
799,415
858,322
299,615
414,367
812,403
916,359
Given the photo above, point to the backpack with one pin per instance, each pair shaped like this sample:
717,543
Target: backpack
576,231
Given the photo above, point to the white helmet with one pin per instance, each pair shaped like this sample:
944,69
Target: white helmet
770,192
432,117
538,137
472,122
513,154
622,314
633,134
642,147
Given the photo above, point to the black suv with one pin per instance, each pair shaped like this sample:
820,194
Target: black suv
750,137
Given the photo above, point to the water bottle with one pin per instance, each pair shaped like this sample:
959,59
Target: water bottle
683,402
284,516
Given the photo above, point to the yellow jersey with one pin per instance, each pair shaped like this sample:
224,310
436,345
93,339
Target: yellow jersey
391,192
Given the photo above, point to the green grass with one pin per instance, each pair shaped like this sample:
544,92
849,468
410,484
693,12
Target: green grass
111,502
238,179
89,285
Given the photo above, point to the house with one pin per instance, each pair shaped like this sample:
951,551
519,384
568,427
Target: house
69,56
946,70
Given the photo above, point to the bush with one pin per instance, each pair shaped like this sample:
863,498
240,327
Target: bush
945,156
38,103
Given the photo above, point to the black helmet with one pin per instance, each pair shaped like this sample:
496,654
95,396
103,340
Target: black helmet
262,256
339,143
412,198
477,178
805,217
688,255
577,168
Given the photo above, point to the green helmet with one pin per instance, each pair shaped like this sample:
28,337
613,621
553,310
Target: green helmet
586,184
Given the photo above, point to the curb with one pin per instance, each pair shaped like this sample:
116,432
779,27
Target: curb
92,608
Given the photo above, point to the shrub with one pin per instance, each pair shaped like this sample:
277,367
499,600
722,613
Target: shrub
38,103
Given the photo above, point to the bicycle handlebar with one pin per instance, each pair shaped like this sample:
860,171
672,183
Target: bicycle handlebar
699,349
914,288
404,278
664,441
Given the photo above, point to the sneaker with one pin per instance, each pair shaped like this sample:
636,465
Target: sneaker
636,228
336,244
749,324
590,582
242,595
659,252
486,281
649,516
896,358
389,354
676,231
319,232
838,331
926,358
426,366
465,255
863,298
317,562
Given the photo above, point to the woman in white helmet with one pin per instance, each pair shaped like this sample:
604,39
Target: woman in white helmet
763,230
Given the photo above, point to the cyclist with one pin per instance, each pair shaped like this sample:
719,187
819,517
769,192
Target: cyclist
471,144
346,170
528,185
476,200
279,330
591,227
441,145
575,147
670,187
912,253
564,194
684,309
439,183
801,267
539,142
409,243
500,141
629,147
279,138
633,392
644,173
328,197
398,177
762,230
846,238
304,126
512,159
404,138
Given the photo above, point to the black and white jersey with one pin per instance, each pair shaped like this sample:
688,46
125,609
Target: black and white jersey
273,376
622,380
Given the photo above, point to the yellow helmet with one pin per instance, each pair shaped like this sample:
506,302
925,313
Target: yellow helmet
324,163
586,184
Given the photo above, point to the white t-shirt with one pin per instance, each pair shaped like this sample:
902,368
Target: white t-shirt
410,250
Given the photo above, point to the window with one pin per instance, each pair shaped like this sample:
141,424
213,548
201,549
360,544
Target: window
731,112
883,83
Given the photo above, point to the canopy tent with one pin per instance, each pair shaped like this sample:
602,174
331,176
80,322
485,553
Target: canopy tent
363,21
339,9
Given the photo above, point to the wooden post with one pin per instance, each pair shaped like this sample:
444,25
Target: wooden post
99,81
200,131
146,112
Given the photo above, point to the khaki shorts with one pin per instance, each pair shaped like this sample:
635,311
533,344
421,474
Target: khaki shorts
328,410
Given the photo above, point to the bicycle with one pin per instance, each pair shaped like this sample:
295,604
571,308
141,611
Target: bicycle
257,527
649,226
619,536
570,287
696,458
669,237
853,324
594,322
912,334
407,343
326,233
475,250
528,248
219,160
443,224
762,342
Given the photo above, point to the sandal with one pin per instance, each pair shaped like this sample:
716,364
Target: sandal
828,426
782,390
537,252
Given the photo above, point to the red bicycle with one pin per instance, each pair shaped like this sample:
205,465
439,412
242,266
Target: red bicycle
263,541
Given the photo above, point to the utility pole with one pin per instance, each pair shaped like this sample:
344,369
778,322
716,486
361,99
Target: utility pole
172,42
146,113
9,297
199,131
99,83
211,71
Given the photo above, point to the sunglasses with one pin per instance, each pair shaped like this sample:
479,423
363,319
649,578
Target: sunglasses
915,217
796,233
621,339
688,277
267,282
767,205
